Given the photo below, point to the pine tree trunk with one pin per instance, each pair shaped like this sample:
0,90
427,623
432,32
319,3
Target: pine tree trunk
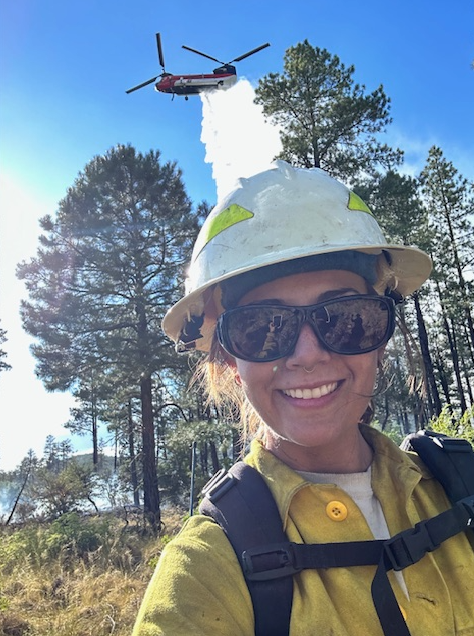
133,458
425,353
151,495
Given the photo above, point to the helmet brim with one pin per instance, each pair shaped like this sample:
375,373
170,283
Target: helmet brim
410,266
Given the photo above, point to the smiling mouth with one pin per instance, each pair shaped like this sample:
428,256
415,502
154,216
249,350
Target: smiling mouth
308,394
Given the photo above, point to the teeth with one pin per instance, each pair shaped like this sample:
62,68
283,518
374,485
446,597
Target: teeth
307,394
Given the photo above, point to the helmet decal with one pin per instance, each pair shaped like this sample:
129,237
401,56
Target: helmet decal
213,226
356,203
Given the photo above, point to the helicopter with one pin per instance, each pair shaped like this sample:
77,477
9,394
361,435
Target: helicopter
222,77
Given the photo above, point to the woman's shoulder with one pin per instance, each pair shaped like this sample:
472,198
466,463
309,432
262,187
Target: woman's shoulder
198,586
200,532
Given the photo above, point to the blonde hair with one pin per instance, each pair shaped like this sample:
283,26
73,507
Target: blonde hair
216,377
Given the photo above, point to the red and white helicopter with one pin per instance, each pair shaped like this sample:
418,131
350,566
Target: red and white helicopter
222,77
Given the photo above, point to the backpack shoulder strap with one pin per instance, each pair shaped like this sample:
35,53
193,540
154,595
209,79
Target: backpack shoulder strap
449,459
242,504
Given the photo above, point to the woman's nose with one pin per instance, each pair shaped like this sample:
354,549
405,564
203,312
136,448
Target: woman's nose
308,350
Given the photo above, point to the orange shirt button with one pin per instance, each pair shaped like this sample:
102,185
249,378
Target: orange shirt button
336,510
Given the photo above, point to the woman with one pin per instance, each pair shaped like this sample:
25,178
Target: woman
291,292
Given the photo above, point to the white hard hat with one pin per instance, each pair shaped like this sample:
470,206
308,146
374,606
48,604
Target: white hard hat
279,215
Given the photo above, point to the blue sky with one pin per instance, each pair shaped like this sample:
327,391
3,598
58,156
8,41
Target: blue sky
64,71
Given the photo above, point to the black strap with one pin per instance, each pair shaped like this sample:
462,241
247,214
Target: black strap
406,548
242,504
250,518
280,559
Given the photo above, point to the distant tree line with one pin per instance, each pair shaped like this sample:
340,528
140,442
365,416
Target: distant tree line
112,260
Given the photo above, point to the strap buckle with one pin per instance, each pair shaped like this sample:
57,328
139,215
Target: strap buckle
218,485
273,562
409,546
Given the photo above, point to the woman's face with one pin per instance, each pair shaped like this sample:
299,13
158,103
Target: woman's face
312,417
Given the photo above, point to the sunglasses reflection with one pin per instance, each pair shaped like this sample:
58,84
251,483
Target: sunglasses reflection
348,325
349,330
270,345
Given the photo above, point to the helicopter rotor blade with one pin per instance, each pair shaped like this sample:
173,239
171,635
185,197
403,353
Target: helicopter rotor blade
214,59
161,57
242,57
150,81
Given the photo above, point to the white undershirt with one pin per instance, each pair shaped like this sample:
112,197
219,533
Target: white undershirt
359,487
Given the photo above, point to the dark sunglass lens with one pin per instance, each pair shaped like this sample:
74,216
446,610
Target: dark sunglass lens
259,333
353,325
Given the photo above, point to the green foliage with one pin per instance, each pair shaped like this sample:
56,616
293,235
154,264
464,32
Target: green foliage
454,425
24,546
394,433
107,268
449,200
57,493
213,439
396,204
434,359
68,539
326,119
70,532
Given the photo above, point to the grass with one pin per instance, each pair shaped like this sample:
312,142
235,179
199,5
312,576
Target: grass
76,577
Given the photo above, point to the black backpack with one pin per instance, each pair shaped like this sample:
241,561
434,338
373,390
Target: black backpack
240,501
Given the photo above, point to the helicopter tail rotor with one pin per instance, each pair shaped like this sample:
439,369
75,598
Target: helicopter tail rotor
161,57
150,81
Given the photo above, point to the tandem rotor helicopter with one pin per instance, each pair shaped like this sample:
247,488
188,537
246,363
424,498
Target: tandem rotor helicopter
221,78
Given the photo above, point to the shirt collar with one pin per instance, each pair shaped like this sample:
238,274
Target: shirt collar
391,466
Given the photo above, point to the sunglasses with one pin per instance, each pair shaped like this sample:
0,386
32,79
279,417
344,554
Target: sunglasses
349,325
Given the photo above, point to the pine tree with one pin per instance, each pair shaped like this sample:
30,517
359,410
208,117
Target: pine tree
449,199
326,120
109,264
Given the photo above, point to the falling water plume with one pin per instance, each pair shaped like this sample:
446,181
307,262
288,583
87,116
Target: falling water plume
238,140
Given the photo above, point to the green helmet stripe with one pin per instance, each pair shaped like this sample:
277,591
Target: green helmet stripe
217,224
356,203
